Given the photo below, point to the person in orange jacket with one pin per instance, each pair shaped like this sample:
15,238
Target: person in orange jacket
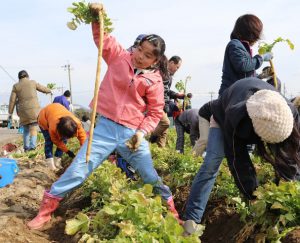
57,125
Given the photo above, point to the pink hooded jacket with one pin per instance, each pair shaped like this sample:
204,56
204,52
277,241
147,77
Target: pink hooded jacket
135,101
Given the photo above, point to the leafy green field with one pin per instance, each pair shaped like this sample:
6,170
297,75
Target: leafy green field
121,210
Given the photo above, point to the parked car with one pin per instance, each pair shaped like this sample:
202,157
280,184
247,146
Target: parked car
4,122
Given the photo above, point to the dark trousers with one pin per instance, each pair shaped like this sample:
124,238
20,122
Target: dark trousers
49,145
180,136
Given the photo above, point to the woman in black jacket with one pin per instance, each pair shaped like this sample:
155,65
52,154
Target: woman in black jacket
249,112
238,60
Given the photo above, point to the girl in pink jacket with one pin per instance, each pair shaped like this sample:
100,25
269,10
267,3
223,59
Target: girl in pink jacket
131,104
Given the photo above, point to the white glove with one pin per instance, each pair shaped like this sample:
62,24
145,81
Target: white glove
267,56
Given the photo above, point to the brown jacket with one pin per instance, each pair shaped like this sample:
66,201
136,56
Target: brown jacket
24,97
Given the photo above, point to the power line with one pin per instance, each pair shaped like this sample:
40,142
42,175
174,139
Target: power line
8,74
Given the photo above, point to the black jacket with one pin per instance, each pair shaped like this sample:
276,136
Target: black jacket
238,63
205,111
168,93
230,113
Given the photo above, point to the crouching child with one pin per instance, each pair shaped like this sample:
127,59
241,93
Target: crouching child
57,125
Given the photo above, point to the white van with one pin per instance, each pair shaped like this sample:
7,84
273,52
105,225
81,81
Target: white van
4,117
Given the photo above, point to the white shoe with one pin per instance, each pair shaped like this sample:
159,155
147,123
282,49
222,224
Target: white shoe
190,227
57,162
50,164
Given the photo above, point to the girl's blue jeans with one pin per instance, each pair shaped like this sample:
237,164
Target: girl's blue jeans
109,136
206,176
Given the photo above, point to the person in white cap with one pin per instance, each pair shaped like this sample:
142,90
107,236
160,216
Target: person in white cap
248,112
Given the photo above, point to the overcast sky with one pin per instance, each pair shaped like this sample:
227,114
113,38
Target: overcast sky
34,37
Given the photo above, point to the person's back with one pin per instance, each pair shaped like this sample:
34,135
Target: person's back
27,100
190,119
24,97
24,94
63,99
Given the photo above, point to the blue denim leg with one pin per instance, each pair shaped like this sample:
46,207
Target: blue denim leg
33,135
33,142
206,176
141,161
48,148
26,137
103,144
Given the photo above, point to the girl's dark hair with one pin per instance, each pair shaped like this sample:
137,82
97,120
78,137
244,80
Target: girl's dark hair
66,127
247,27
284,156
159,52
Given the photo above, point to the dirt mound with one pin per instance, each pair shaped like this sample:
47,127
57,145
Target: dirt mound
222,223
14,231
292,237
19,202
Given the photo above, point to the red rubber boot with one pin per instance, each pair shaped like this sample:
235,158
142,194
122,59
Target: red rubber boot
171,207
48,206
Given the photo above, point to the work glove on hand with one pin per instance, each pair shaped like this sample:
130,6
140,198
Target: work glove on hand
189,95
267,56
180,96
71,154
135,141
267,72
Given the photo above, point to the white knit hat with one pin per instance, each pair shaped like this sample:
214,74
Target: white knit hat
271,116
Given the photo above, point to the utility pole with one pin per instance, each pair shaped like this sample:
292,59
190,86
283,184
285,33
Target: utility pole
211,95
68,68
284,90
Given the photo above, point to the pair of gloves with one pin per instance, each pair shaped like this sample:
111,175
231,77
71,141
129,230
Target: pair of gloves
267,56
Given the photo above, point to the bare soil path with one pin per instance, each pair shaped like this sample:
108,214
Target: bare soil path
9,135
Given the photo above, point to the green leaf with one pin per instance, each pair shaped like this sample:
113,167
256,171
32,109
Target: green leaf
263,47
80,223
272,232
290,217
109,210
51,86
147,190
259,208
127,228
82,14
277,205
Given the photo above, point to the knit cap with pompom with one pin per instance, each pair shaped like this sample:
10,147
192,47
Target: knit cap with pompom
271,116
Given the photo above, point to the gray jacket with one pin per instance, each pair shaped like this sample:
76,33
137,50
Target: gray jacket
190,120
